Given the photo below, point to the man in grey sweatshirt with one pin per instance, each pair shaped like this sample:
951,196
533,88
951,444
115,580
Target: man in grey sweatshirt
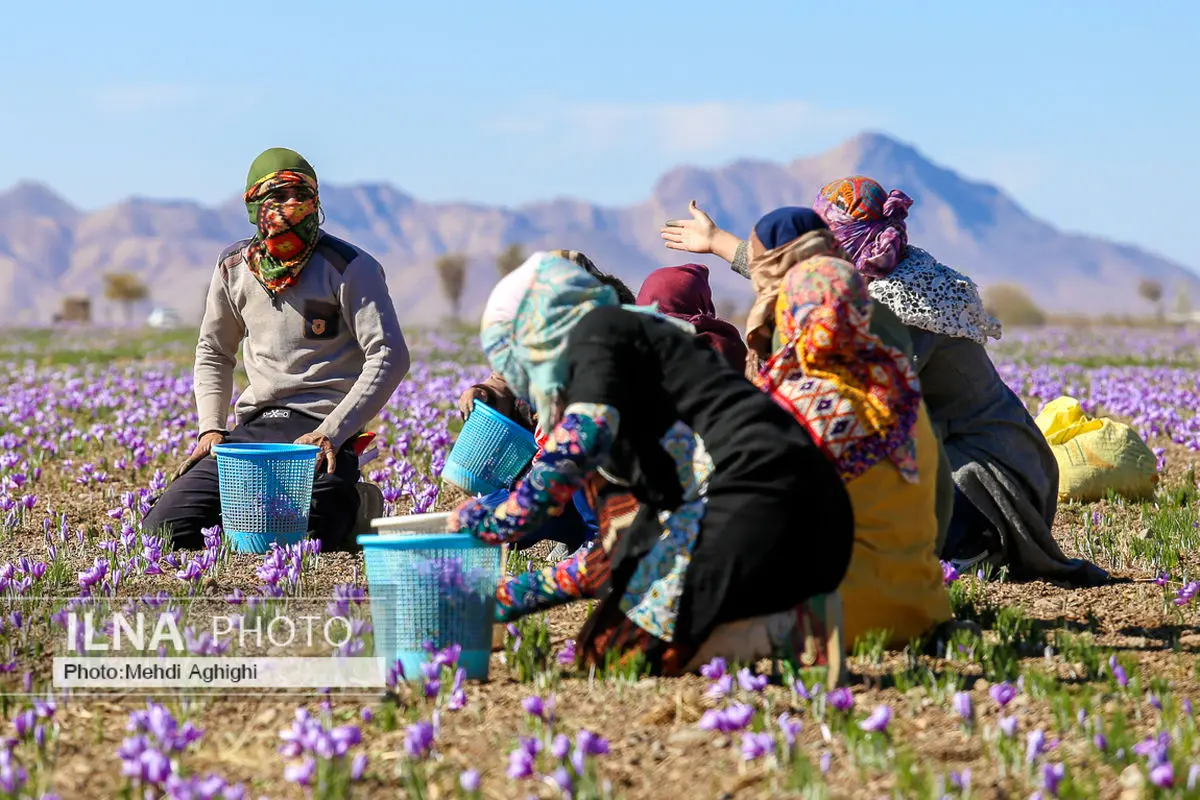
321,345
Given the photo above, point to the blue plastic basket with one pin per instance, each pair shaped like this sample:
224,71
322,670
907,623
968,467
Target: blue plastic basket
490,452
266,491
437,588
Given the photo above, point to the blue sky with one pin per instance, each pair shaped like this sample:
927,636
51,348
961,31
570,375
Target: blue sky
1085,112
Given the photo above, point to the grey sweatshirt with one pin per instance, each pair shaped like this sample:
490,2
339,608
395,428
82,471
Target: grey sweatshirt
329,346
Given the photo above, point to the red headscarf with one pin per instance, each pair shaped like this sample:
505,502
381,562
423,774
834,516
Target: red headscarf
683,292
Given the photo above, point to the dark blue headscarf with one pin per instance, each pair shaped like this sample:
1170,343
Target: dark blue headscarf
785,225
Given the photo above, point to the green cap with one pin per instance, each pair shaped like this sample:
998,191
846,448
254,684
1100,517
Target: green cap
275,159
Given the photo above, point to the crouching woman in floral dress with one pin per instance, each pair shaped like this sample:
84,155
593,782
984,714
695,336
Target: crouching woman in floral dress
729,563
860,401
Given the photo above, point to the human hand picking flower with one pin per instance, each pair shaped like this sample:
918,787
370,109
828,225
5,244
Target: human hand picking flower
699,235
201,451
327,453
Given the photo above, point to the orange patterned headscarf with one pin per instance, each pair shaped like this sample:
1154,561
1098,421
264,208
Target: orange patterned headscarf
857,397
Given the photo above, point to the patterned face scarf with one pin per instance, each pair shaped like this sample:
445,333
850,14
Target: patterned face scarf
868,222
857,397
527,320
288,227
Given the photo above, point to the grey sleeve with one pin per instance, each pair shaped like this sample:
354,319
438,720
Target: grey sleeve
371,317
221,332
741,259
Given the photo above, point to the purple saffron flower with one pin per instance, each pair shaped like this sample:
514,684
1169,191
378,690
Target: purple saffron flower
738,716
1163,775
358,766
1052,775
841,699
566,656
1118,672
964,707
534,706
721,688
562,779
418,740
949,573
714,670
961,780
751,682
560,747
1035,745
1193,778
1101,742
1003,693
155,767
791,728
878,721
825,761
756,746
590,744
301,773
469,781
520,764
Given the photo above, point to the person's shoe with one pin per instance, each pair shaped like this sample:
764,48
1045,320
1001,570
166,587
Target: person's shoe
822,637
370,506
970,556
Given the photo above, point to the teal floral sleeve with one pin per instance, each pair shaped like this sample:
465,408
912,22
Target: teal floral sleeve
573,449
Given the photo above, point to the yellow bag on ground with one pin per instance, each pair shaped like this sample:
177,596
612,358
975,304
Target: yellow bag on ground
1096,455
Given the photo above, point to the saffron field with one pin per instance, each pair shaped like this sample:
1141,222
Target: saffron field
1071,694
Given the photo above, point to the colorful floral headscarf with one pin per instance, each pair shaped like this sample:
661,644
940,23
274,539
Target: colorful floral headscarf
285,206
857,397
526,322
867,221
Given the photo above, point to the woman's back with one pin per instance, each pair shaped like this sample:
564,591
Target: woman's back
655,375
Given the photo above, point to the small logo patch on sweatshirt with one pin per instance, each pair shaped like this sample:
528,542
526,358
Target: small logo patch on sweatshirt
276,413
320,320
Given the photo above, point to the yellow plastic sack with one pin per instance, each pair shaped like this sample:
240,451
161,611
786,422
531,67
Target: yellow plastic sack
1096,455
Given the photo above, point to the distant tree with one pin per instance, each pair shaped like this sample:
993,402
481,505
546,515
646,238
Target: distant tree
125,288
1013,306
1152,292
509,259
452,273
1183,301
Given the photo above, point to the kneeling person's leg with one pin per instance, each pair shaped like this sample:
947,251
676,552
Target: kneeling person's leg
335,502
190,504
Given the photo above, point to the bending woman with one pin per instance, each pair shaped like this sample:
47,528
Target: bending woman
861,403
1005,476
577,525
727,563
683,293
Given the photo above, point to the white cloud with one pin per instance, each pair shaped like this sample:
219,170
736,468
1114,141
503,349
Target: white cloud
682,129
139,98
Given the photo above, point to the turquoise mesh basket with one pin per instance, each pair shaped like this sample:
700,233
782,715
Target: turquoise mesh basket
266,491
490,452
437,589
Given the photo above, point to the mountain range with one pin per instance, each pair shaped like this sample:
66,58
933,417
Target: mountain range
50,249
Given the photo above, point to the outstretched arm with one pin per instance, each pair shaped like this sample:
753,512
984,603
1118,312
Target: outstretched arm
701,235
573,450
569,579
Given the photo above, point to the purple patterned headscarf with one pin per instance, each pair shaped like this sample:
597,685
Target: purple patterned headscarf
868,222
